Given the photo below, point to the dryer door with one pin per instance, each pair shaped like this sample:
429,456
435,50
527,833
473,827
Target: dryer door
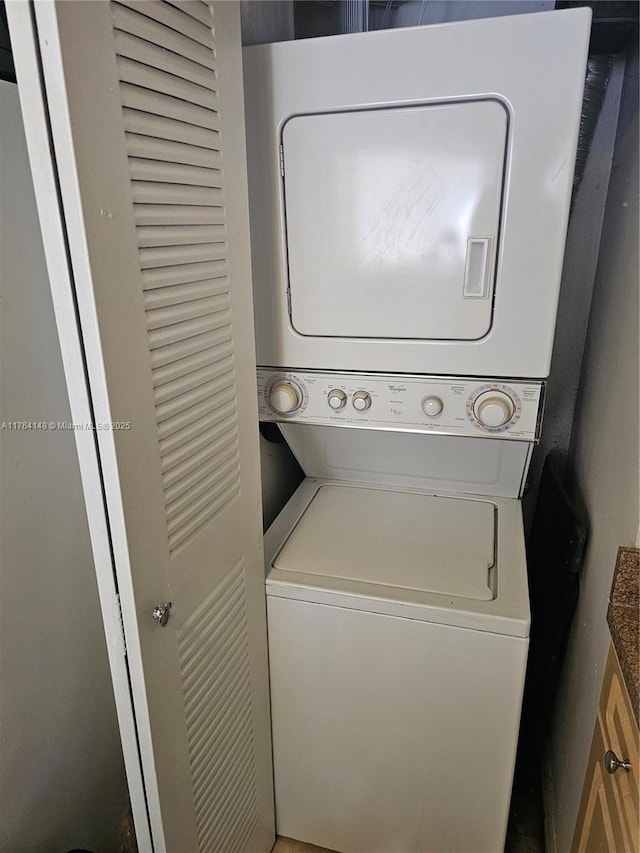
392,219
410,191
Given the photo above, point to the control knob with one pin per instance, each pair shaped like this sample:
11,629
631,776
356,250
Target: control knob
493,408
336,398
285,397
361,401
432,406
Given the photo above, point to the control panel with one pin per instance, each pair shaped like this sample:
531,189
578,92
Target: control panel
443,405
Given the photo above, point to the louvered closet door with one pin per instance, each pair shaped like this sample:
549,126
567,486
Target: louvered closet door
146,111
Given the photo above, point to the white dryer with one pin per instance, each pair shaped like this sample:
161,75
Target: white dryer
410,191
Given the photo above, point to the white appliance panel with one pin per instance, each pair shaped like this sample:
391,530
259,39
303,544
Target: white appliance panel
534,65
438,463
392,217
428,404
391,734
423,542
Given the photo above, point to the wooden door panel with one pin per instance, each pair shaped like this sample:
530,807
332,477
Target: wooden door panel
608,815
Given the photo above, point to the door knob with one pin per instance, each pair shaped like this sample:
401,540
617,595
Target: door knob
162,613
613,763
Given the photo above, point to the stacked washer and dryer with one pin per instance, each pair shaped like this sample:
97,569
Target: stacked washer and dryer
410,191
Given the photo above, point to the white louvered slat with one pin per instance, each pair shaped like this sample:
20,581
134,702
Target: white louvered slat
131,21
175,479
177,214
205,487
150,192
201,455
138,49
198,9
174,173
150,101
197,509
205,425
165,256
219,421
180,307
149,148
138,74
222,386
181,331
185,516
169,276
166,296
207,408
228,780
196,379
217,446
165,59
202,512
220,682
200,378
237,795
208,467
231,792
166,128
166,379
179,235
174,18
213,648
175,314
205,735
166,362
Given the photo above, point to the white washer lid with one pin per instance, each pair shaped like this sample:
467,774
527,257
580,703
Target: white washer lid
426,543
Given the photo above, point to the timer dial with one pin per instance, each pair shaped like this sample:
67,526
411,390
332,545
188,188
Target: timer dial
285,397
336,398
493,408
361,401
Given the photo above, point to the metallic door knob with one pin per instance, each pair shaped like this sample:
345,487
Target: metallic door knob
162,613
613,763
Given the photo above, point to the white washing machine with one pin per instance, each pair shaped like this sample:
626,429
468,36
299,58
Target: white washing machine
397,608
409,194
398,633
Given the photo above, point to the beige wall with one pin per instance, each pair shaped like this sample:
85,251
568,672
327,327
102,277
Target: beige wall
281,476
604,466
62,782
265,21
